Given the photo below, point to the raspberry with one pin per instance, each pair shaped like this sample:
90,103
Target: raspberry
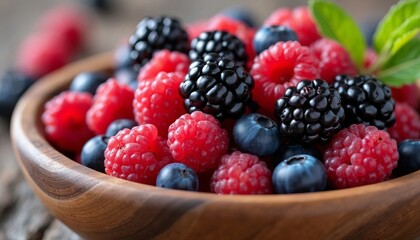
409,94
216,86
41,54
407,123
112,101
164,61
241,173
158,102
69,22
281,66
309,113
154,34
360,155
334,59
366,100
299,20
198,141
219,42
64,120
137,155
196,28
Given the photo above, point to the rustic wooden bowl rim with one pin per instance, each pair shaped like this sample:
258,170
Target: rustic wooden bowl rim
48,86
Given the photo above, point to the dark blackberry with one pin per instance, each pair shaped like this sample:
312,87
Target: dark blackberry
366,100
309,113
217,86
220,42
156,33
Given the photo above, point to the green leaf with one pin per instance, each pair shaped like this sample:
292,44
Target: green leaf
406,32
404,66
333,22
395,17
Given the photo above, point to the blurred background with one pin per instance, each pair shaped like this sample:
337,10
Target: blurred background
109,24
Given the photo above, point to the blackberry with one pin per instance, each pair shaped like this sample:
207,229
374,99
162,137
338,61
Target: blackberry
366,100
153,34
309,113
216,86
220,42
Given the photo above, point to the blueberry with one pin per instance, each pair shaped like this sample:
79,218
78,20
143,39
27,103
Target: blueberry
300,173
177,176
122,57
292,150
99,5
127,76
93,153
267,36
409,160
256,134
118,125
87,82
241,14
12,86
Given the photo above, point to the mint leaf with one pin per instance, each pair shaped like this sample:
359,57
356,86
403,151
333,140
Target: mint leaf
333,22
403,67
403,34
395,17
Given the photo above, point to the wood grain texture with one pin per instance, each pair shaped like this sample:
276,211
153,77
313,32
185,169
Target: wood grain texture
98,206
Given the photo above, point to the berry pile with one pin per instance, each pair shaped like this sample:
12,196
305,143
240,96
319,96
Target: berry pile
222,106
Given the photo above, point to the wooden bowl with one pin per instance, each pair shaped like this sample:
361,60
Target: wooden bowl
98,206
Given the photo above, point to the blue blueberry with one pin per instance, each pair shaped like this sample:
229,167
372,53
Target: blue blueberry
12,86
122,57
300,173
409,160
127,76
267,36
241,14
118,125
256,134
289,151
92,155
87,82
177,176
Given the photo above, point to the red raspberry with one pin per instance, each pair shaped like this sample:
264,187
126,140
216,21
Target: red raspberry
299,20
360,155
334,59
198,141
41,54
241,173
407,123
282,65
237,28
64,120
69,22
164,61
112,101
157,101
137,154
409,94
194,29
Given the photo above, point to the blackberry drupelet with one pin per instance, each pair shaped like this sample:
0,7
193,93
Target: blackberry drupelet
156,33
309,113
216,86
220,42
366,100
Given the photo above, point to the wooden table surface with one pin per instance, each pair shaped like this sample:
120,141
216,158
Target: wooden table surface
22,216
